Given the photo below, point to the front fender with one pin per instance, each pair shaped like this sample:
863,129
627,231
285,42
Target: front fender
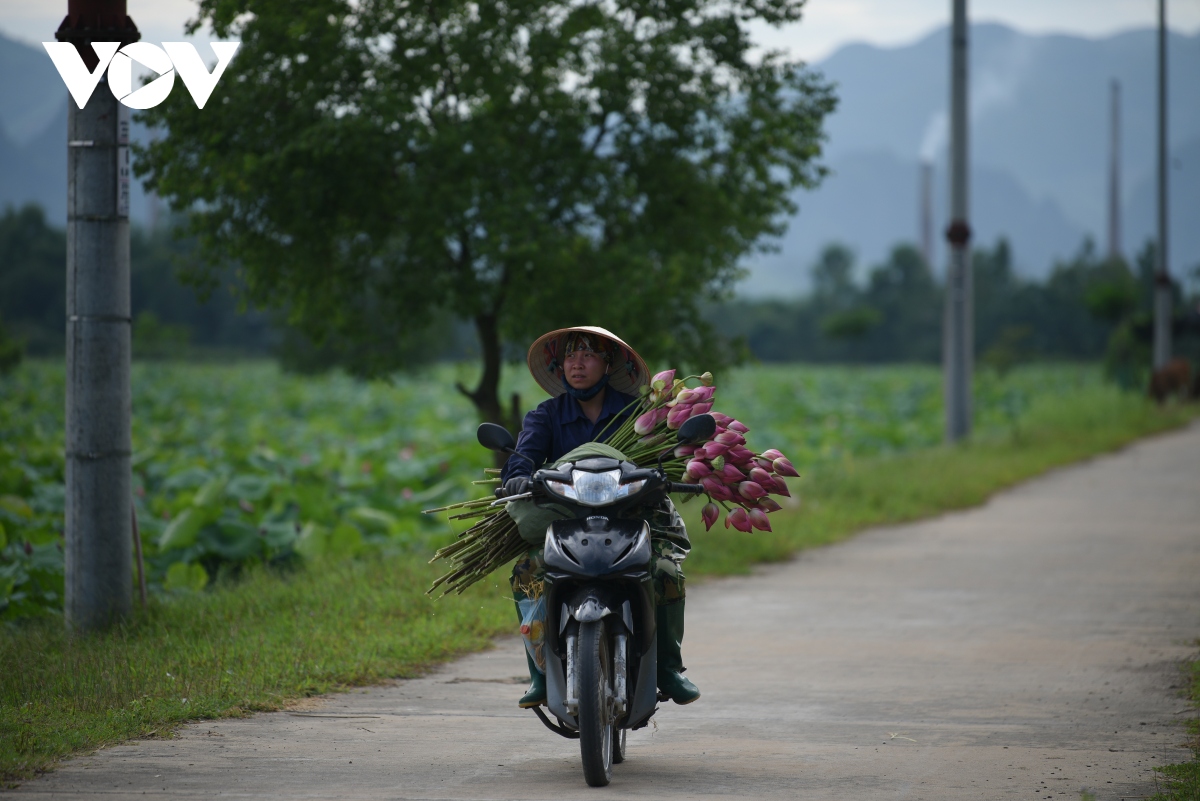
590,610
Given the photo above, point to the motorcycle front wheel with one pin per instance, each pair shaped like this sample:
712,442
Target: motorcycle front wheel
595,706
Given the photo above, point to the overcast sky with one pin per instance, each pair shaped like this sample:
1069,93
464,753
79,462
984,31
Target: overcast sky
827,24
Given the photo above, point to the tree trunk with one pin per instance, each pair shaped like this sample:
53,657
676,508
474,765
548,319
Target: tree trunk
486,395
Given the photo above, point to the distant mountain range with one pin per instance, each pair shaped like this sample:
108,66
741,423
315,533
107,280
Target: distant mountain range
1039,147
33,134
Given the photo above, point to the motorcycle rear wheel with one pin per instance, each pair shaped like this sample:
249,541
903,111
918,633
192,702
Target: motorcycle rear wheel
596,727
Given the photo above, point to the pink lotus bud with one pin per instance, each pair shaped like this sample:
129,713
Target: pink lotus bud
718,464
739,520
715,489
730,474
761,476
714,449
686,396
722,419
784,468
646,422
702,394
730,438
740,455
772,454
699,468
734,425
666,377
780,487
768,504
709,514
765,464
684,450
677,415
758,519
701,408
751,490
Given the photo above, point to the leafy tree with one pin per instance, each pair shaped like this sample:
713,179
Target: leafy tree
33,279
903,291
33,257
851,324
376,165
833,277
11,350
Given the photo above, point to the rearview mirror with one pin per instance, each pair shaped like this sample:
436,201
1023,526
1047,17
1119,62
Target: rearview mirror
696,429
495,437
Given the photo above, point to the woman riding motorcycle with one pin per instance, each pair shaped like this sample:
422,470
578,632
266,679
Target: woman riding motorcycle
593,377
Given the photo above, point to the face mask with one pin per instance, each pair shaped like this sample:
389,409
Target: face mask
586,394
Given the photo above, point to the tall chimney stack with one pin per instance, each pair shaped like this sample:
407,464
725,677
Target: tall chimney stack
1114,175
927,213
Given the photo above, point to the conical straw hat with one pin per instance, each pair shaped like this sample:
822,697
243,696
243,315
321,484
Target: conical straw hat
546,356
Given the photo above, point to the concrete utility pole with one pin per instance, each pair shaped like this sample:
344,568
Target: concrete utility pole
98,524
958,336
1114,175
1162,277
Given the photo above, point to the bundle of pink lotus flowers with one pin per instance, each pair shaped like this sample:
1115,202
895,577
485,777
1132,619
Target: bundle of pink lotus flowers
733,476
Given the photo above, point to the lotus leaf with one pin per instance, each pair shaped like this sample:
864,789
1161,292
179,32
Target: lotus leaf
187,577
16,506
375,519
249,487
181,531
189,478
230,538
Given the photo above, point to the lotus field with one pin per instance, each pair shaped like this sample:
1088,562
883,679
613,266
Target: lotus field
240,464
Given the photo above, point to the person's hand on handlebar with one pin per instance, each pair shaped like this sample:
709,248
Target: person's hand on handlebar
517,485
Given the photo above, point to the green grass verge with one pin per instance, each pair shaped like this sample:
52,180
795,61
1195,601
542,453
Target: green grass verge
1182,782
845,498
254,644
247,647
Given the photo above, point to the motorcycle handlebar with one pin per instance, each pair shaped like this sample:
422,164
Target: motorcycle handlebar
686,489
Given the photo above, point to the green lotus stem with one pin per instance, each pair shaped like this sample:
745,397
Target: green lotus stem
487,481
470,515
476,502
600,436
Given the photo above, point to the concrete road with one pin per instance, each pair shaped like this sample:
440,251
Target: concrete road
1025,649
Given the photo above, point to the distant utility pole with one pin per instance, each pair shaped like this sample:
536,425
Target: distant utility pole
98,524
958,329
1114,175
1162,277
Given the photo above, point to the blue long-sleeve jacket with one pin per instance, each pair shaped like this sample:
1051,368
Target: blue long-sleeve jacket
558,426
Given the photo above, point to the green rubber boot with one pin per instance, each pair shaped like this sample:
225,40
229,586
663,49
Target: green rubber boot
670,661
536,694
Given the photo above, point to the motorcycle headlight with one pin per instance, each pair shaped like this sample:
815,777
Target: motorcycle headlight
595,489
